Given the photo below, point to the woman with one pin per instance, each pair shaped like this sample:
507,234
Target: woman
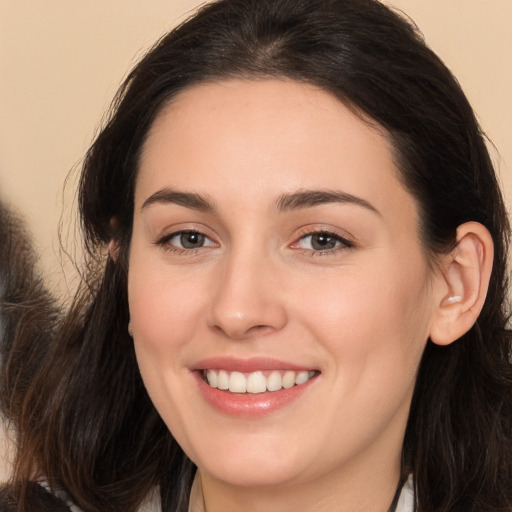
303,302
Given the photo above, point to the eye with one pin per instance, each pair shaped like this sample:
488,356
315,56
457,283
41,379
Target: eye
187,240
322,241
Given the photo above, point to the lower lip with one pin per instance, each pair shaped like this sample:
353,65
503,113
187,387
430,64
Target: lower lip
249,405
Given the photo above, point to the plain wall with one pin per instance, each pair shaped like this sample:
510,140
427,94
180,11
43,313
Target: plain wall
61,62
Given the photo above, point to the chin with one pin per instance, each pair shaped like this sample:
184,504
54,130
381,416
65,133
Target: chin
251,474
261,466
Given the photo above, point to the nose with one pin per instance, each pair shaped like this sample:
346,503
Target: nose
247,301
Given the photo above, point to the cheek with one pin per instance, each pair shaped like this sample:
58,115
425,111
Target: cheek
165,305
377,318
165,308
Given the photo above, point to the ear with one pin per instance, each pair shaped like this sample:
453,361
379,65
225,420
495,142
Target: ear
465,275
113,246
113,249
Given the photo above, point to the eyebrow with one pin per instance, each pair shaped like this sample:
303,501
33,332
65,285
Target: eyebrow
310,198
186,199
295,201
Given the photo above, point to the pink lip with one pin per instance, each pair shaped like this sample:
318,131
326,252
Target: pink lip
247,365
247,405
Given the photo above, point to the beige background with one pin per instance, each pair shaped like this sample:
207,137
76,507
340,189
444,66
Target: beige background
62,60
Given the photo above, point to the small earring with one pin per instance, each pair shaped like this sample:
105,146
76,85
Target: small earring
130,329
454,299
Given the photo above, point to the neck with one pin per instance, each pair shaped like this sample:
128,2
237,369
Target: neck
350,492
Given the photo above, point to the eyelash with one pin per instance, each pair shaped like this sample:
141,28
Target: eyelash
341,243
167,246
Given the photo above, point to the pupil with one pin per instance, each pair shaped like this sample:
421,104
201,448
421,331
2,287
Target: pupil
192,240
322,242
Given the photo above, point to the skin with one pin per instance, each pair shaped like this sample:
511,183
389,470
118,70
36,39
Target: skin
359,314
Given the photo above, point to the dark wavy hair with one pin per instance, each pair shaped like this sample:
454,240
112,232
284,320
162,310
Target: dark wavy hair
28,312
87,422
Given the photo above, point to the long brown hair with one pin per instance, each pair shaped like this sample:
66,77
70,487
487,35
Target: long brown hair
28,312
87,422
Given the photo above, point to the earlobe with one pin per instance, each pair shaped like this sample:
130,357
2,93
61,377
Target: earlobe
466,272
113,249
113,246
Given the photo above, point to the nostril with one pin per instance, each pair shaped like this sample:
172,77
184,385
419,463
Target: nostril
241,332
260,329
238,318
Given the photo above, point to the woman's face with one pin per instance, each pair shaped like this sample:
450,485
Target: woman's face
274,246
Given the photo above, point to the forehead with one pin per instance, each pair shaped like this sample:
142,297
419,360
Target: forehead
255,140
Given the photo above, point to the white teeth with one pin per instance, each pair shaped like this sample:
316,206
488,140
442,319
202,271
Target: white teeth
302,377
288,380
237,382
274,381
212,378
256,382
223,380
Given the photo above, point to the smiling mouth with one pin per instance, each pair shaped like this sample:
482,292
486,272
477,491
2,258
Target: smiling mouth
256,382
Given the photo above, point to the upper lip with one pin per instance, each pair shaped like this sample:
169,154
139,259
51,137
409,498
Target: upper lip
248,365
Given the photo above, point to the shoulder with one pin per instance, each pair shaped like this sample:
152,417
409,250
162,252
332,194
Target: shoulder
39,500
